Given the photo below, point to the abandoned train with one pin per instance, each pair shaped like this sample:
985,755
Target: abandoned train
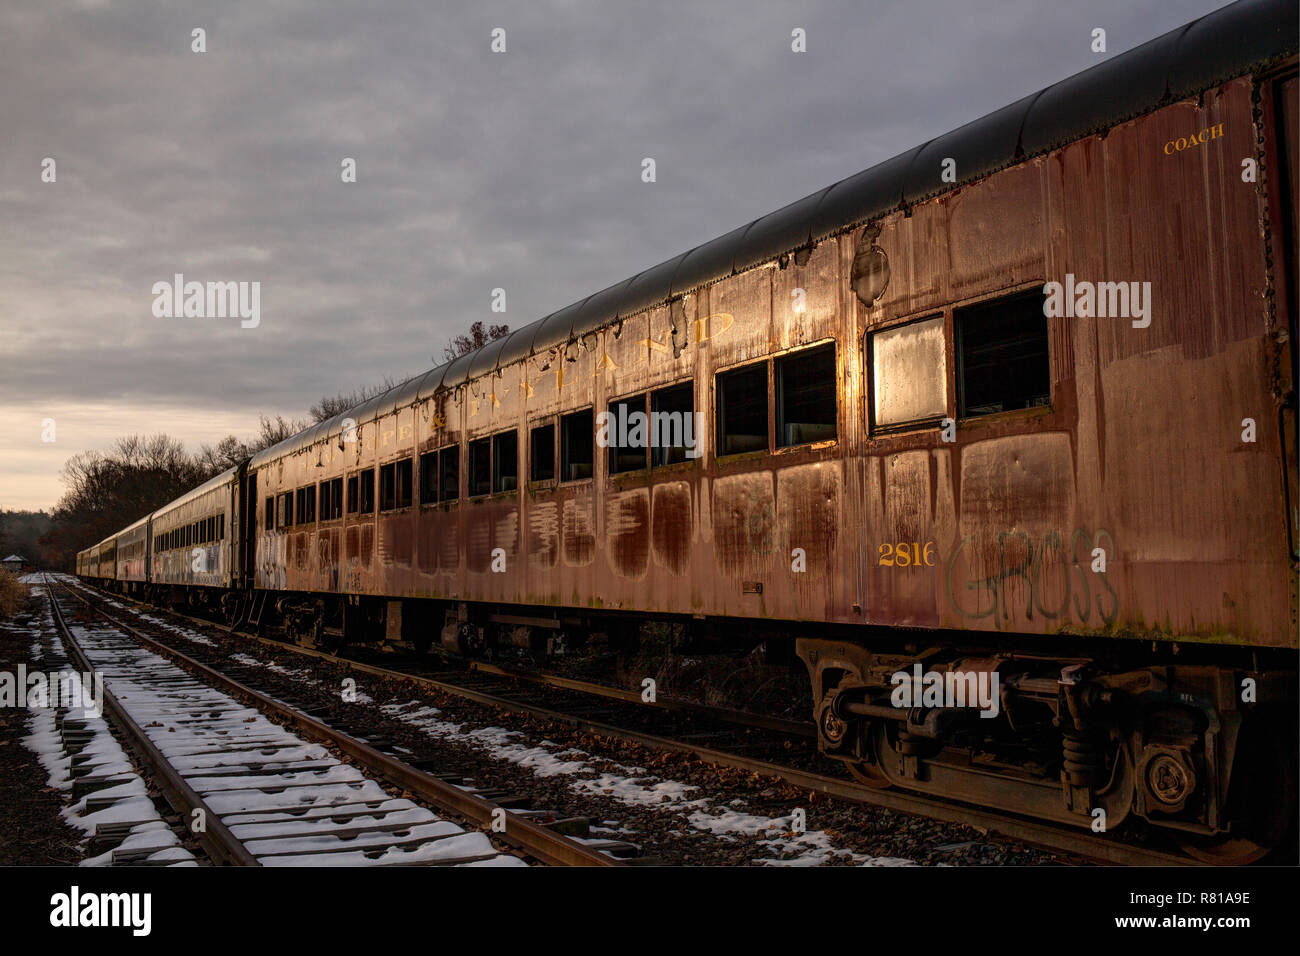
1018,403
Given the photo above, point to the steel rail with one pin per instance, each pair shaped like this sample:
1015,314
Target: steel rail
216,839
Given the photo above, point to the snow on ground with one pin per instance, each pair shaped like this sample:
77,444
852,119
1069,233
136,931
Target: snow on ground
634,786
133,803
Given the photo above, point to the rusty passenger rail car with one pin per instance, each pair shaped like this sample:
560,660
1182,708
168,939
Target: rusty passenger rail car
1017,406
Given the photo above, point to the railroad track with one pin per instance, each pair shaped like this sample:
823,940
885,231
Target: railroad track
1079,843
269,794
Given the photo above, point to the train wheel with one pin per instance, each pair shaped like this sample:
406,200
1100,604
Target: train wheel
1227,851
869,775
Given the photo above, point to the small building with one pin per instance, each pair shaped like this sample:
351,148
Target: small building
14,563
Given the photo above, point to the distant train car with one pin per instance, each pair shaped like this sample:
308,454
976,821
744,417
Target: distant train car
192,551
106,559
132,574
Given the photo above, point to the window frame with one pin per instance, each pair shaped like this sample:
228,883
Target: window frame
495,465
551,422
766,365
563,460
428,475
959,362
776,410
612,450
687,384
453,452
945,317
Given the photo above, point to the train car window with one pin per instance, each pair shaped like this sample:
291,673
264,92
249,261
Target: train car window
577,446
305,512
541,453
429,478
480,466
449,473
627,435
505,461
742,409
221,527
331,499
268,514
395,485
672,424
366,502
909,374
405,482
1002,356
353,482
805,396
284,510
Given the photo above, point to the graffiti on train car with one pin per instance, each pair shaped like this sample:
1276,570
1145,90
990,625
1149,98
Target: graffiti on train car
1053,572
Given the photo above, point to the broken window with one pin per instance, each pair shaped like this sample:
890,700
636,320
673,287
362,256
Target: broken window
1002,355
480,467
909,373
805,396
541,453
331,499
672,424
505,461
577,446
361,493
429,478
284,510
627,435
306,505
742,409
449,473
395,485
405,482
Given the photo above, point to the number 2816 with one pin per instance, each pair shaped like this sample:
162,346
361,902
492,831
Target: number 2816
906,554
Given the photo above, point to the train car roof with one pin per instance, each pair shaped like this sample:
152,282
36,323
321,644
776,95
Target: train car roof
140,523
1237,39
226,477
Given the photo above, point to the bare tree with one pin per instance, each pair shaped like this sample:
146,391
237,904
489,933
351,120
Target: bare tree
330,406
477,338
109,490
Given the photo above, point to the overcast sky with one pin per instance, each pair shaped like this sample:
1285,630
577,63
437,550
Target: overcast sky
475,170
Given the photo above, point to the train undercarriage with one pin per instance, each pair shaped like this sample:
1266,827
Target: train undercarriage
1198,742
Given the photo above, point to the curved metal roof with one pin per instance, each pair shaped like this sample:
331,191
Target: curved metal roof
1229,42
225,478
